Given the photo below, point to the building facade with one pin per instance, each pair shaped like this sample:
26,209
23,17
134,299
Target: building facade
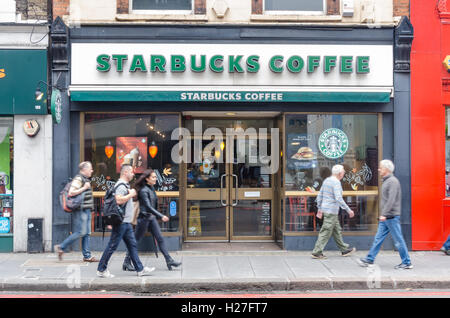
240,107
25,128
429,125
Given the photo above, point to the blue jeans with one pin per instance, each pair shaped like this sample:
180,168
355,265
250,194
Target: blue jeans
447,244
151,224
125,232
389,226
81,228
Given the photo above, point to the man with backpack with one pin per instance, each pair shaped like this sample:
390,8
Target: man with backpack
123,230
81,185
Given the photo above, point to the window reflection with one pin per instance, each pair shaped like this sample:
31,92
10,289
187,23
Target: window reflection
314,144
140,140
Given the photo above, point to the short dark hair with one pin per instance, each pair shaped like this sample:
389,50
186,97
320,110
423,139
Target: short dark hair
124,167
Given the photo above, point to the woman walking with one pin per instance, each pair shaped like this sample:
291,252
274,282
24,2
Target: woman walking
148,211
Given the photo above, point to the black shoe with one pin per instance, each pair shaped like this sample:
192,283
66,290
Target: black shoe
128,267
349,251
318,256
171,263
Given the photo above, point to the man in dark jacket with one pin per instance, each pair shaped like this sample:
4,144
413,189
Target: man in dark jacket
391,199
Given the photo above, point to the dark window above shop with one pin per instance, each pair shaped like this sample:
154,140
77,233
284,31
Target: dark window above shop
292,6
160,5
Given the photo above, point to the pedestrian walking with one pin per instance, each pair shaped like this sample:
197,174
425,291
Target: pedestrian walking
391,199
148,205
82,217
124,198
329,200
446,247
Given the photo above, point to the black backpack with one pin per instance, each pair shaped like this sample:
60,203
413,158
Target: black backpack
113,213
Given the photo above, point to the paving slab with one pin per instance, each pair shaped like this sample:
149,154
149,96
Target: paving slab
225,271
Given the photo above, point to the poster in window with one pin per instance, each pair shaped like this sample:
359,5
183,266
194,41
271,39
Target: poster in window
302,153
132,151
4,160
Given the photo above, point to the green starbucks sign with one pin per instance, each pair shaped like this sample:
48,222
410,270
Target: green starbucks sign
56,106
333,143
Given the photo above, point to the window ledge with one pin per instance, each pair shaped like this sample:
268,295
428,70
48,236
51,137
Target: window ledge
161,17
295,18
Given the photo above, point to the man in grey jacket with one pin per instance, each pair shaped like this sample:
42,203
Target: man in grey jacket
391,199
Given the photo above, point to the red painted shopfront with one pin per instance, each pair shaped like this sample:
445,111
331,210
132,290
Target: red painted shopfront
430,95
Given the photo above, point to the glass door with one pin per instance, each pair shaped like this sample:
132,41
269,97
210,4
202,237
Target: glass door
229,189
251,191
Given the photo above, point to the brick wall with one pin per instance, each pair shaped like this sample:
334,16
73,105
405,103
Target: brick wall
32,9
257,6
123,6
401,8
60,8
200,6
333,7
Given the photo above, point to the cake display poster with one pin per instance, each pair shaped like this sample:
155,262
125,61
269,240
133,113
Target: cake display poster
132,151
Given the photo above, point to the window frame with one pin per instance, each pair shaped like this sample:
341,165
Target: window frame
292,12
165,12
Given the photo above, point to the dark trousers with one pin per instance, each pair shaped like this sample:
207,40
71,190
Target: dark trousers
151,224
125,232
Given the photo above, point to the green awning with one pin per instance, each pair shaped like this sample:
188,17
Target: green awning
232,96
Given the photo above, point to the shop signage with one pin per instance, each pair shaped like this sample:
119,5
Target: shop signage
230,72
31,127
20,71
333,143
56,106
5,225
236,63
173,208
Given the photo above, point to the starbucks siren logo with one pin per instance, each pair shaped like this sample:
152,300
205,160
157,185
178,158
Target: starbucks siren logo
333,143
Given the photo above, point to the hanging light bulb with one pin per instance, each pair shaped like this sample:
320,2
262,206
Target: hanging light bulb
109,150
153,150
222,146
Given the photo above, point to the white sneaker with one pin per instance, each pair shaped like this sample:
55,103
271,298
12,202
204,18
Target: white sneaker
105,274
146,271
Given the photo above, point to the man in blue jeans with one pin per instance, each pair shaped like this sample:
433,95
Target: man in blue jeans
391,199
446,247
81,218
124,198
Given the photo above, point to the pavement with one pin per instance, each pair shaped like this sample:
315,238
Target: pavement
231,271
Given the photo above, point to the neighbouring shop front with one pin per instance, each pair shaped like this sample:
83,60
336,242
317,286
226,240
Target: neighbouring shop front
240,126
22,129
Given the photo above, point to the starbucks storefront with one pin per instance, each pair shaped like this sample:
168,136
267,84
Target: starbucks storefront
241,133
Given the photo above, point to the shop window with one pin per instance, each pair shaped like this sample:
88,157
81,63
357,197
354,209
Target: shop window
313,145
175,6
304,7
144,141
6,177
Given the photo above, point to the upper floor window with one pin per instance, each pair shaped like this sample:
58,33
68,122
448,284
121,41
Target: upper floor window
304,7
152,6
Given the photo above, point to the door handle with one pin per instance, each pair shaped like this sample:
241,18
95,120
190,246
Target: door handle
236,189
221,188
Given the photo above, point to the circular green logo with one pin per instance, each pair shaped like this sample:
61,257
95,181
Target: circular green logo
333,143
56,106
